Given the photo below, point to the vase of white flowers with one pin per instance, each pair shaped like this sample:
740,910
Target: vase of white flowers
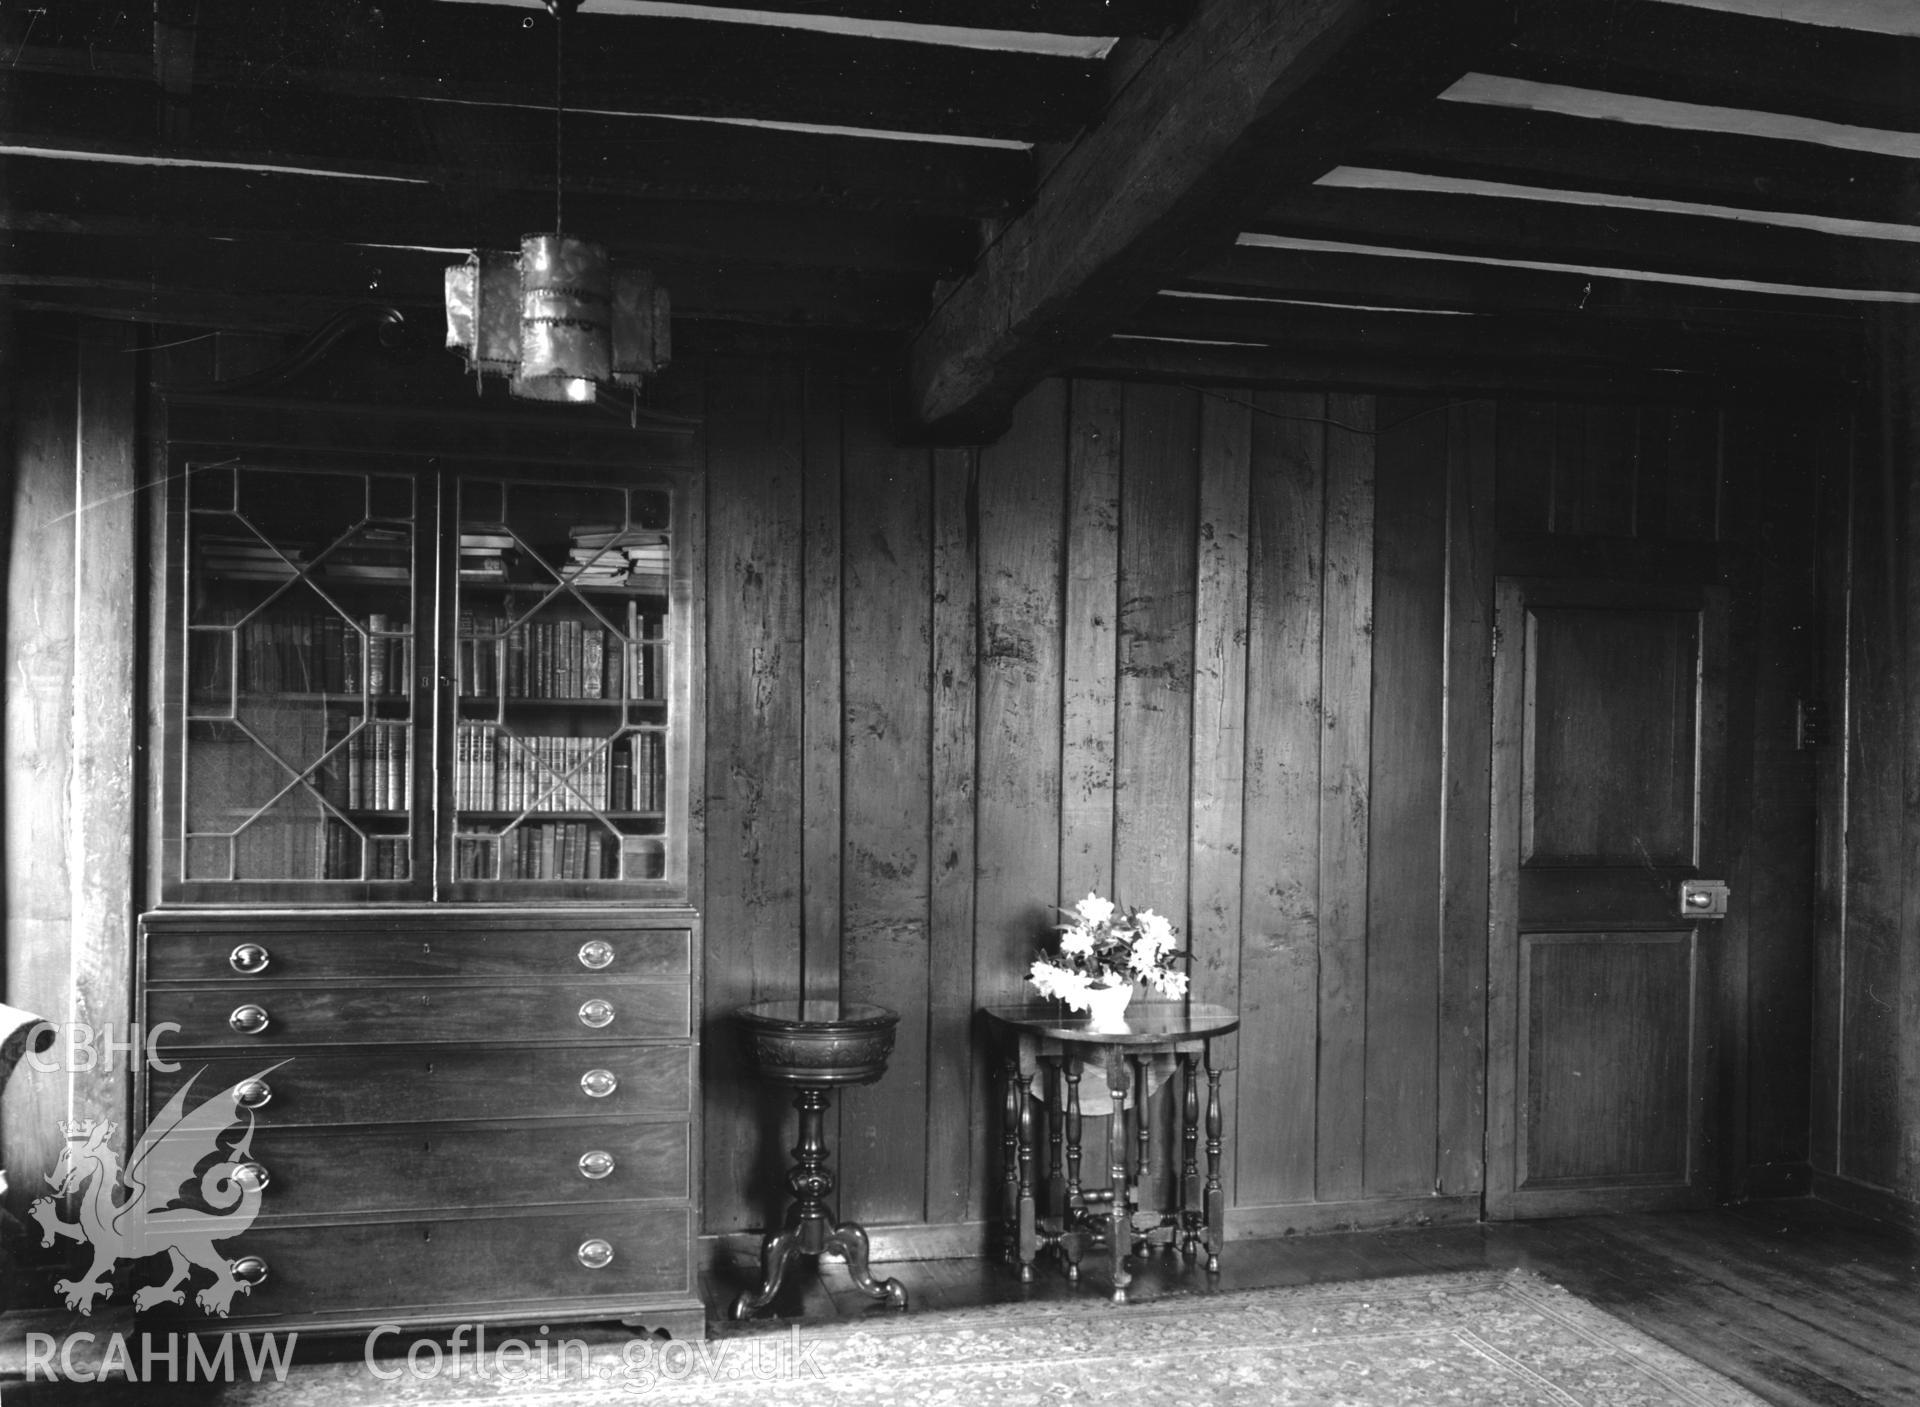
1104,954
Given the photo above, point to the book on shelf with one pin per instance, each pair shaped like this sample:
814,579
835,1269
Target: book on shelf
377,767
250,557
304,652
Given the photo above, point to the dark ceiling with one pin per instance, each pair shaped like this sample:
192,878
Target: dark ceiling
1434,192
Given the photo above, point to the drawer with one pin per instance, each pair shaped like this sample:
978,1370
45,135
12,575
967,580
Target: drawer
401,1269
407,1012
395,1086
341,1172
344,950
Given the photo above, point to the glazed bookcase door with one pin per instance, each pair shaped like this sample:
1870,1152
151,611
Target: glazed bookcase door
295,636
566,732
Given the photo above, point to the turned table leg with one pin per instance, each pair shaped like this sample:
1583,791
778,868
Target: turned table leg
1119,1223
1192,1208
811,1228
1216,1197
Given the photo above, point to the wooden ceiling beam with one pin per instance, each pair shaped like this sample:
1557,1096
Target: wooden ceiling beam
512,148
1351,369
333,276
1246,96
1088,17
1716,58
1448,337
644,64
1605,237
1394,281
1660,163
102,198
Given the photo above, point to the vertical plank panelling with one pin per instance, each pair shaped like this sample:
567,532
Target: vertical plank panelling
1346,664
1725,795
888,614
1153,730
1153,740
1571,490
1869,1138
39,714
1022,493
1219,711
1612,454
1903,423
821,707
1408,683
1461,1054
1525,459
106,606
754,725
1694,473
1091,625
956,1127
1782,808
1280,876
1836,488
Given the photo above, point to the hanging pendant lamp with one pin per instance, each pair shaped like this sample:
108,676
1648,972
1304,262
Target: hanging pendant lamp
557,319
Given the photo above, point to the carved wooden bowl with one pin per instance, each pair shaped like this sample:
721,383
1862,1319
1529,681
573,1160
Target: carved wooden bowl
811,1042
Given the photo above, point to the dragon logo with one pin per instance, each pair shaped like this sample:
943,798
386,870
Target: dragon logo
151,1218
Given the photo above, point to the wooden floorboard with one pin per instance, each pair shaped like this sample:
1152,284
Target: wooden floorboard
1803,1303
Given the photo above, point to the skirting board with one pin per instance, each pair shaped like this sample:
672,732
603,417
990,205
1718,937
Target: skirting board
1869,1201
1767,1180
962,1240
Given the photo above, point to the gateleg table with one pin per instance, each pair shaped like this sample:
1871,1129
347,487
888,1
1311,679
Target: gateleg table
1042,1038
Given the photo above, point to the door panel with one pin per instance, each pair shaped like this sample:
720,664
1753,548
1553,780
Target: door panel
1609,741
1606,1080
1610,710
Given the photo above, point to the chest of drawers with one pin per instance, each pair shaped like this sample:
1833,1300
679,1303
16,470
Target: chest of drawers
456,1117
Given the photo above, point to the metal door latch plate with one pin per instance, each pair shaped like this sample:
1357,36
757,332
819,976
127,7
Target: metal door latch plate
1703,898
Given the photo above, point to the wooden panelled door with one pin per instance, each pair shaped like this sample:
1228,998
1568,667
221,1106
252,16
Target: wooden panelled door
1609,750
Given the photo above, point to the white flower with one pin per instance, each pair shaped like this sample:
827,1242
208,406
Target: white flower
1076,942
1058,982
1094,910
1155,929
1167,982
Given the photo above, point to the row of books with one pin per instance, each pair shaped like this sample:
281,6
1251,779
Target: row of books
375,772
558,850
484,551
561,659
371,554
282,847
495,769
603,554
304,652
546,850
386,856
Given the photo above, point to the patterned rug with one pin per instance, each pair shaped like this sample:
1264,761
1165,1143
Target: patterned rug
1480,1339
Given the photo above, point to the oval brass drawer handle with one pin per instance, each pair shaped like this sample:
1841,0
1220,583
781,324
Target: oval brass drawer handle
599,1083
252,1177
596,953
249,959
249,1020
596,1013
595,1254
252,1094
250,1271
596,1164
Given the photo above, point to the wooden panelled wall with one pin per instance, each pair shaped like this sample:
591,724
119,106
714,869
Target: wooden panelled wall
1221,653
1866,1049
1225,654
